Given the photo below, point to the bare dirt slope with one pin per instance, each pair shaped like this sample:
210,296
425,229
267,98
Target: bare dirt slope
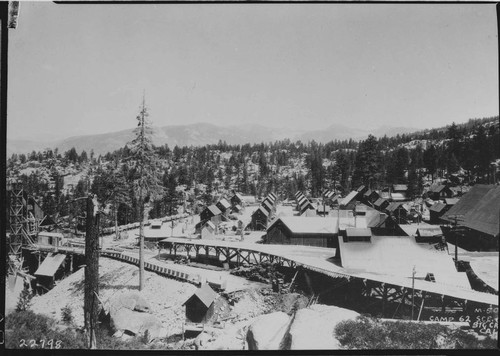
165,295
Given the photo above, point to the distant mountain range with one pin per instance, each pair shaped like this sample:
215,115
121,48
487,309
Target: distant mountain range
199,135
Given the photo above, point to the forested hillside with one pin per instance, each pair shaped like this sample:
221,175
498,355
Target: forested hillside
193,176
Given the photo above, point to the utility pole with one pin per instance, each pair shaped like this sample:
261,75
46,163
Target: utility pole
91,271
455,223
412,291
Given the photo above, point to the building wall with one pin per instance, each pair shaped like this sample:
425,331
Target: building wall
257,220
280,235
205,215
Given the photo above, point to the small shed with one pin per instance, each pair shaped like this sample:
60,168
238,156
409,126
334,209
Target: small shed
205,306
54,239
50,270
436,211
428,234
237,208
208,230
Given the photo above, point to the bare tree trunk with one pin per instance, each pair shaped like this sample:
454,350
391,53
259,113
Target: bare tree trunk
90,306
117,234
141,255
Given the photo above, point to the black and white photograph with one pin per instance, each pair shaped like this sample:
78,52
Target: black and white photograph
199,176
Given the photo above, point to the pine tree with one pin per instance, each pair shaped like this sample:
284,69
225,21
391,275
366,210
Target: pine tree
146,182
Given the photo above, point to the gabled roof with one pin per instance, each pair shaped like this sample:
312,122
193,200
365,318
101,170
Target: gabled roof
438,207
225,204
263,210
436,188
480,209
205,294
329,194
397,256
361,188
380,201
301,198
271,196
209,224
308,225
451,201
335,198
434,230
398,196
350,197
304,203
394,206
266,204
238,196
268,200
368,193
214,210
50,265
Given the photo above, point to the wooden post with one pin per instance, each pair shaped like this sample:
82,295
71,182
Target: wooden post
421,306
91,273
384,299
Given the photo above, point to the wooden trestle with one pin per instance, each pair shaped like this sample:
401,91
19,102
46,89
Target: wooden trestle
238,256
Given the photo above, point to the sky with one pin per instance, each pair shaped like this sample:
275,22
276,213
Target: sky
83,69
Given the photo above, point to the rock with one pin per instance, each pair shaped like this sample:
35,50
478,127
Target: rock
313,327
201,341
131,312
268,331
132,301
136,322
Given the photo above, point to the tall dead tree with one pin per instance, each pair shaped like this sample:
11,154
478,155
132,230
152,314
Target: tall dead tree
90,306
147,182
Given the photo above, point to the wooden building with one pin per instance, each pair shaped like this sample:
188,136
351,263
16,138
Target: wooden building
223,205
439,191
210,212
266,204
308,231
371,196
436,211
349,202
237,199
397,211
205,306
260,218
381,204
208,230
477,213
